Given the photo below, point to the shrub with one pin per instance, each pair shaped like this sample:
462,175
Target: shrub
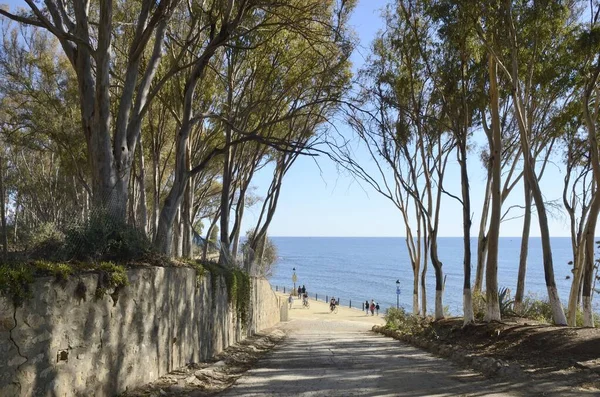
15,283
410,324
265,264
506,304
104,238
579,319
480,304
536,309
47,241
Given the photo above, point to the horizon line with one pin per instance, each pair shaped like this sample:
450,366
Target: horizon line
473,237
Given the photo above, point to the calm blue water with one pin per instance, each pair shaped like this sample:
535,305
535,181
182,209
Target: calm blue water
361,268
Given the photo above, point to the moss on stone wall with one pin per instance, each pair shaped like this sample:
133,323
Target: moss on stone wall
15,283
238,287
16,279
110,276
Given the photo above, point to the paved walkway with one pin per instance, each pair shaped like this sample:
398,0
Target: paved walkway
329,354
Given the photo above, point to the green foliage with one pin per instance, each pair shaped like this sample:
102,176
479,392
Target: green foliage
579,319
536,309
105,238
237,283
408,324
15,283
480,304
46,240
268,249
238,292
16,279
506,304
59,270
111,276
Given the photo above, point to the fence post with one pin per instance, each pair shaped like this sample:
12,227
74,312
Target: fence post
284,290
316,297
350,303
276,288
326,298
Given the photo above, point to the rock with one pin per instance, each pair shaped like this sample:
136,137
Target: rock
593,365
16,361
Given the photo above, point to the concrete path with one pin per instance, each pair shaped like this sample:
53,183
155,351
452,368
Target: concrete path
329,354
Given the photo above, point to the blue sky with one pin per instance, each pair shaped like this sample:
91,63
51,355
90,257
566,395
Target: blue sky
320,200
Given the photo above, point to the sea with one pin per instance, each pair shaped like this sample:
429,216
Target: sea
355,269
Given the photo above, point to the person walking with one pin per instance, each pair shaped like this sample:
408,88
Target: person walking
299,292
291,300
303,290
372,307
377,308
367,306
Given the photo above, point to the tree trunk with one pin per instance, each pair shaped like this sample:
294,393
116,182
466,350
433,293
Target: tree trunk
588,273
142,204
3,209
575,292
178,234
225,254
591,120
164,232
207,239
414,252
491,279
155,192
163,238
528,170
439,278
524,250
426,243
132,201
17,205
187,223
239,214
468,316
482,239
187,206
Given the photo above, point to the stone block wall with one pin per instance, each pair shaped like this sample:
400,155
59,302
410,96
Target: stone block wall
59,344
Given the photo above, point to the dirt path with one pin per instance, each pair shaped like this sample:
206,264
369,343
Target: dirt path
328,354
318,353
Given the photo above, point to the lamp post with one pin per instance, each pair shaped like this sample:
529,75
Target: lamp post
294,278
398,294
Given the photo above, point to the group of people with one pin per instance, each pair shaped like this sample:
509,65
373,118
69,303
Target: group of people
373,307
301,291
301,294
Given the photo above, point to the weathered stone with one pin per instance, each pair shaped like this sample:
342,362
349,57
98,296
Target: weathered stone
161,321
16,361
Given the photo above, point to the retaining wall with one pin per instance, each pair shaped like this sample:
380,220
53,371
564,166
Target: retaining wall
58,344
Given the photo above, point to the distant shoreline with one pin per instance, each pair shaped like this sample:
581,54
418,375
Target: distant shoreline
403,237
